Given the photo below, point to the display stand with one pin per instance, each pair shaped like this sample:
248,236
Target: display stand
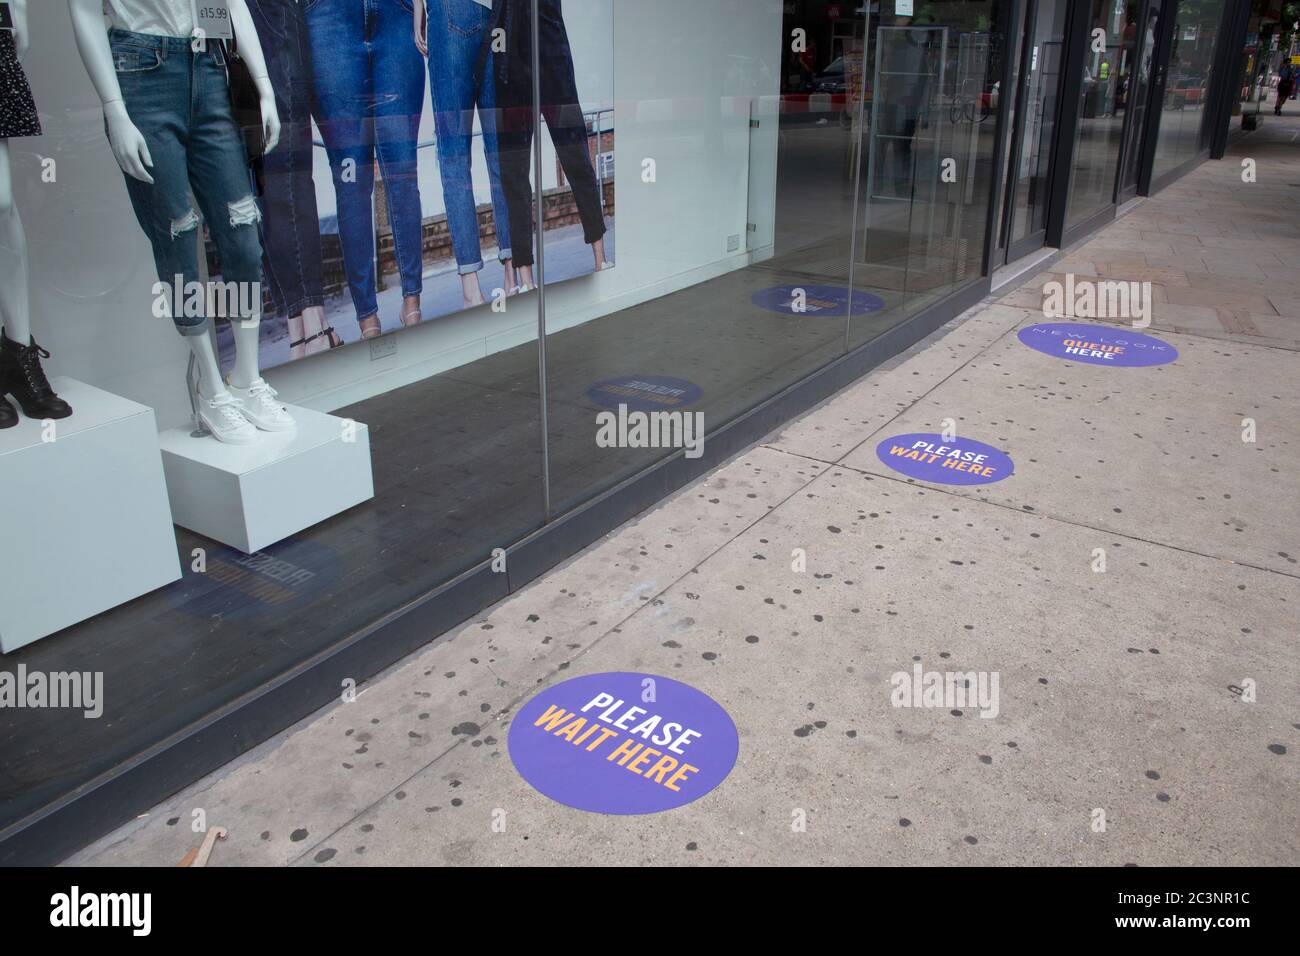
251,496
86,520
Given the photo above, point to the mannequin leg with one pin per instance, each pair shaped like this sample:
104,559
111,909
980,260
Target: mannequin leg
14,315
210,384
247,361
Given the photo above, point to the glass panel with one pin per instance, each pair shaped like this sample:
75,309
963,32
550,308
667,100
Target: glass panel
1137,96
365,212
1042,94
1107,75
1196,27
931,138
1016,56
734,222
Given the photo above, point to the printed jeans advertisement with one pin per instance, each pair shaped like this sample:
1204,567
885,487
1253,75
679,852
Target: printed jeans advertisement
402,188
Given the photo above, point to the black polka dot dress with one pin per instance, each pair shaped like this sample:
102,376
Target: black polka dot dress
17,108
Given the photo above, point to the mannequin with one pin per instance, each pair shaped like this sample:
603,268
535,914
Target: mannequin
155,76
20,357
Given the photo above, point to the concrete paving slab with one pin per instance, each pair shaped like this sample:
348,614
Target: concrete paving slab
839,424
1115,695
1154,453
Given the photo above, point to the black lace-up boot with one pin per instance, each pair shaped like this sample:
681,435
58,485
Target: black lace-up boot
8,414
22,377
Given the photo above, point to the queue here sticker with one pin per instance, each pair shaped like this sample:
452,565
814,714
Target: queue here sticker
961,461
623,743
645,392
816,300
1097,345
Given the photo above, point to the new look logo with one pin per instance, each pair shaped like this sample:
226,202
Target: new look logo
76,909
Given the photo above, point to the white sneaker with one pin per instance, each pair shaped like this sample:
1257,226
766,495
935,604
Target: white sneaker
223,417
259,406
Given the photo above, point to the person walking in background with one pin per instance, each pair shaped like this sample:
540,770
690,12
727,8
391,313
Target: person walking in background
369,81
291,242
451,34
564,119
1285,86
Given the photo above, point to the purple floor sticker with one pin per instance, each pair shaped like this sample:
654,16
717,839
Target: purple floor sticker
623,743
645,393
1097,344
962,461
817,300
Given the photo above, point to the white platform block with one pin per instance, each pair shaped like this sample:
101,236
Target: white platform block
86,522
251,496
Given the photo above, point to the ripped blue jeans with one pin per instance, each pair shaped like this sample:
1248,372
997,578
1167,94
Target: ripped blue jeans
180,102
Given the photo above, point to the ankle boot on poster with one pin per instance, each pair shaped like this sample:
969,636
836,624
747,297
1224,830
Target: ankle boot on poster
22,377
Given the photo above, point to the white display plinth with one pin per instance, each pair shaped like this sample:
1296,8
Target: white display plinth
251,496
86,524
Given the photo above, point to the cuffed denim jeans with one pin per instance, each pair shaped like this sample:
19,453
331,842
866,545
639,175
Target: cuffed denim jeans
456,31
290,221
560,106
369,79
180,102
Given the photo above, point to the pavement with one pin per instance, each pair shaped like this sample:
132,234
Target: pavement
1133,586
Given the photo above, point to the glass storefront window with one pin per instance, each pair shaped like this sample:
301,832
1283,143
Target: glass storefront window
1187,82
1104,101
930,126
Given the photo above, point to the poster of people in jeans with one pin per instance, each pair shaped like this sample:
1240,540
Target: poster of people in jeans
402,189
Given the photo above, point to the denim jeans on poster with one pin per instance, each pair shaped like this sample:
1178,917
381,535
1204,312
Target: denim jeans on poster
180,102
563,113
456,31
369,81
290,221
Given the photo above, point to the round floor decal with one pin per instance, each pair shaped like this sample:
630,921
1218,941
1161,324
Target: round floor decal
796,299
222,583
644,393
623,743
961,461
1097,344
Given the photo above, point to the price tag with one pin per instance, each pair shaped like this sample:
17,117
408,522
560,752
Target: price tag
6,17
212,17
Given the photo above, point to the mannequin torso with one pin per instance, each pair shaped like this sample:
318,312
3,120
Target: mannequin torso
168,18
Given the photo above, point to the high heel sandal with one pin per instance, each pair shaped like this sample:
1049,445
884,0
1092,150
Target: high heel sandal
335,341
372,332
415,317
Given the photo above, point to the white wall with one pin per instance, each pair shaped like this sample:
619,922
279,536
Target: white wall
685,72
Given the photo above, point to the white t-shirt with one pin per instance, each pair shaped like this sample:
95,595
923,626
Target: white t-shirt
167,18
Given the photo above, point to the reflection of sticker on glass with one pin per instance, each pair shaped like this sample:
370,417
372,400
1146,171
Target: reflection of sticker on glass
903,8
1033,63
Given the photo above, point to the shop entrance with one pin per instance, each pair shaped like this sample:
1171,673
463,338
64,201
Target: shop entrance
1143,73
1035,89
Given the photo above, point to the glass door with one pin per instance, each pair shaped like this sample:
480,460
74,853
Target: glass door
1036,111
1137,98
